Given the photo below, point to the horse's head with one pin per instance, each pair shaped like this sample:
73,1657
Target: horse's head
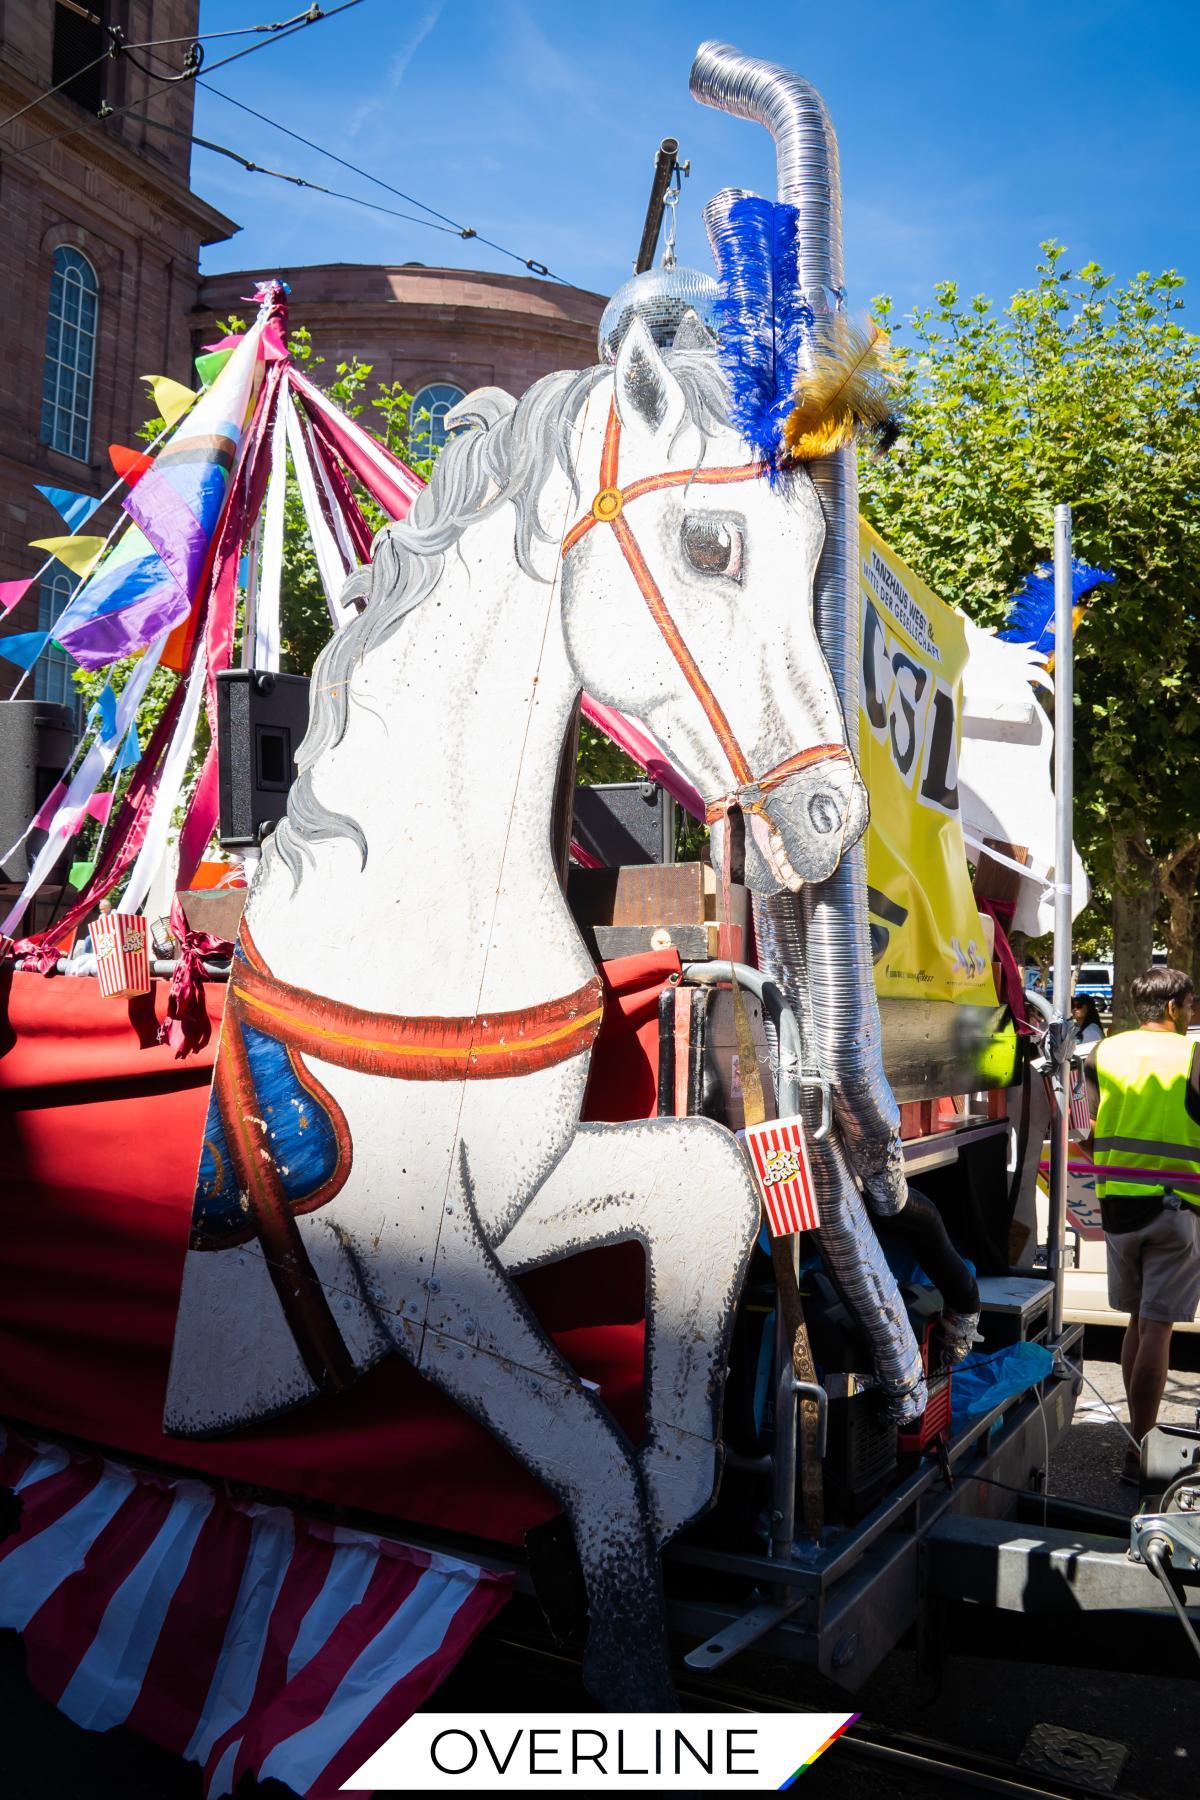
687,601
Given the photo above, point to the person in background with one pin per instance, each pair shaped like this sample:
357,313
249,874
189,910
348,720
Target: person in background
1144,1089
1088,1029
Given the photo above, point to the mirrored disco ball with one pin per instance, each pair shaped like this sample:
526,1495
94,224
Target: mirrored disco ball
660,297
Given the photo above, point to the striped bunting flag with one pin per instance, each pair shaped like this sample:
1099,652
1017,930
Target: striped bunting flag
242,1637
1081,1112
778,1154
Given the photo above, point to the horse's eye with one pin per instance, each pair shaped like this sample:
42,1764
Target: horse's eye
713,544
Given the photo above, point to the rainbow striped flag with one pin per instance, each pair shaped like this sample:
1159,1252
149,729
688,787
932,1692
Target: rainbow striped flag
147,583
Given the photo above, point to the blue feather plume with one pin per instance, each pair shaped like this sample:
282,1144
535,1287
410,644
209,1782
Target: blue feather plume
762,323
1031,611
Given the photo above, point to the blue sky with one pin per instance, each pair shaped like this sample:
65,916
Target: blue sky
969,131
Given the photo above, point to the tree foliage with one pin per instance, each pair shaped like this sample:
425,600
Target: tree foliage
1085,391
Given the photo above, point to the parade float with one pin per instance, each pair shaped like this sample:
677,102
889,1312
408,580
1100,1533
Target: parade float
383,1256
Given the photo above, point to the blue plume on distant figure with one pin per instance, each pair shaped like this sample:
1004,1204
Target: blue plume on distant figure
1031,610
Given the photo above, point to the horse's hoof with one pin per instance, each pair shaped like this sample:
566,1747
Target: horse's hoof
625,1684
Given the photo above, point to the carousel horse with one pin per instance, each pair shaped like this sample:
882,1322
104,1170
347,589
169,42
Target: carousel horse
395,1130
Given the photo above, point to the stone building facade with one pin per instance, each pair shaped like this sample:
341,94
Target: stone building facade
102,236
441,332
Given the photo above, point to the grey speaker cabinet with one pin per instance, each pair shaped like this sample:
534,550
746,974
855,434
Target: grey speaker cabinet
36,740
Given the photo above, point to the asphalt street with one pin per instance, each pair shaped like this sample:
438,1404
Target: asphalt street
988,1705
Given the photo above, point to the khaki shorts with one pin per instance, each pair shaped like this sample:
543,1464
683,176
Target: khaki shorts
1155,1272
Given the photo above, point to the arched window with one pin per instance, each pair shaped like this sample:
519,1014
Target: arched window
70,354
427,418
52,671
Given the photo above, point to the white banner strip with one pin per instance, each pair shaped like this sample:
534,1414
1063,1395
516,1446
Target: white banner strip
86,780
341,531
170,782
330,566
525,1752
270,579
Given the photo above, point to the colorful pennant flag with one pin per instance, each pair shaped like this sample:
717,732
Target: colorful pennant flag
75,508
81,873
99,806
23,647
209,366
50,805
130,753
129,465
11,592
130,600
104,712
170,397
79,554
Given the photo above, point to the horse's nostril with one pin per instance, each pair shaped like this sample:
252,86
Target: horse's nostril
824,812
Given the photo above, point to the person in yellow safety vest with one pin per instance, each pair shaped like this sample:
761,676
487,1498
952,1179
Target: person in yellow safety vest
1144,1089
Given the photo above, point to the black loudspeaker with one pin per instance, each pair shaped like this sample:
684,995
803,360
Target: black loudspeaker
36,740
261,720
623,822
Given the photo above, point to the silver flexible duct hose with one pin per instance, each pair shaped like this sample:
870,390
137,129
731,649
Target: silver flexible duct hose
816,945
849,1245
845,1011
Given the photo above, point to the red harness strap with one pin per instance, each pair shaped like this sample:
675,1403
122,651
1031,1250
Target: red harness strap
608,508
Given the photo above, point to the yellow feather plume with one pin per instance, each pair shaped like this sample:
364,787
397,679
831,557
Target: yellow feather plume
847,391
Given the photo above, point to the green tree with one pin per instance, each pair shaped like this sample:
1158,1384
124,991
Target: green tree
1084,391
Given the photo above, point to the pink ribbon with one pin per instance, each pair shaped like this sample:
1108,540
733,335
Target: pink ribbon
186,1028
35,958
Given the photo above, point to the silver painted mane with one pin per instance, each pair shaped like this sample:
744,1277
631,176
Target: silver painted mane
498,460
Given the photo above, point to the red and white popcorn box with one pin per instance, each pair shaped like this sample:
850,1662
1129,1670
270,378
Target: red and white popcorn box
778,1154
121,943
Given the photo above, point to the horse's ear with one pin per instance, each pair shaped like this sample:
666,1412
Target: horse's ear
649,400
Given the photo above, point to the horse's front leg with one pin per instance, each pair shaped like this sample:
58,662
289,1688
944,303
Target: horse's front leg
682,1188
483,1346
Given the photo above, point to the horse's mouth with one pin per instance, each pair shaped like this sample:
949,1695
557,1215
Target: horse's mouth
804,828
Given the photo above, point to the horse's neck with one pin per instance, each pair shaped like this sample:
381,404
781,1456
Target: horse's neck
448,764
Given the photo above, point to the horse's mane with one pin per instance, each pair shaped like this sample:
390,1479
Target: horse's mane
505,460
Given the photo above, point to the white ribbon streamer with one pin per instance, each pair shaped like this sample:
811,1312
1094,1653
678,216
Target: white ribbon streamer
330,566
1009,862
270,576
150,856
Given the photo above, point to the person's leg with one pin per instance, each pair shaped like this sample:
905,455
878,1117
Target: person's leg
1149,1375
1129,1350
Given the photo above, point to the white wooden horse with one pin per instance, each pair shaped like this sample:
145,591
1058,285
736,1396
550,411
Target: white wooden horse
411,987
1004,770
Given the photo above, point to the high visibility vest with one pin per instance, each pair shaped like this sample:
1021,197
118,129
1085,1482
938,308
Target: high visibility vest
1142,1121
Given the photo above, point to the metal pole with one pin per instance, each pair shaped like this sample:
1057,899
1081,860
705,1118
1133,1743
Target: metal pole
1062,1032
664,168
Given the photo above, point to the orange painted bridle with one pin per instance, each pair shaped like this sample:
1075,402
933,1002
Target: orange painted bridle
608,508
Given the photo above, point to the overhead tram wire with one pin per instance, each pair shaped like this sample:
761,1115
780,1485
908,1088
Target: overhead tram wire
315,15
117,47
465,231
300,181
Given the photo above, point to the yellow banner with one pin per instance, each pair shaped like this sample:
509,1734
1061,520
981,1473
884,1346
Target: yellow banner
926,933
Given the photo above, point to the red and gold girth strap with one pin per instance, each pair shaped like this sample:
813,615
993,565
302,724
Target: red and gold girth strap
479,1047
